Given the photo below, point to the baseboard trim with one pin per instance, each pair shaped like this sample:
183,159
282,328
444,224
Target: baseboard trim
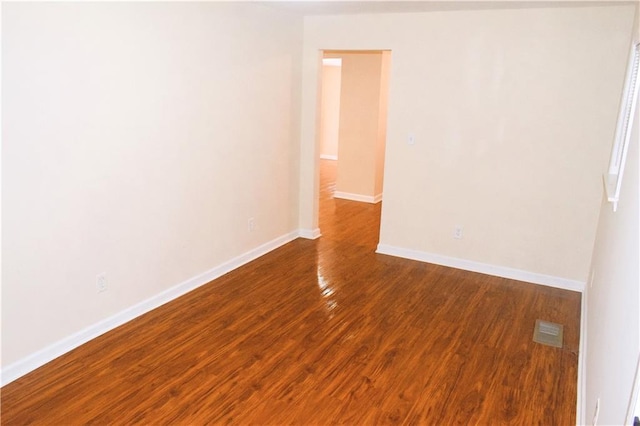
581,415
483,268
45,355
329,157
309,234
358,197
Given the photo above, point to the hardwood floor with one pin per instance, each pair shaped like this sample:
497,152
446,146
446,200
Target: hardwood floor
320,332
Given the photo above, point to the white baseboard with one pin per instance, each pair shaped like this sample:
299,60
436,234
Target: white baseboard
581,406
358,197
329,157
309,234
43,356
470,265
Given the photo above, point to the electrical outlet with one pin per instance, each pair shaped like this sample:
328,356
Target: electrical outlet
101,282
251,224
457,232
596,412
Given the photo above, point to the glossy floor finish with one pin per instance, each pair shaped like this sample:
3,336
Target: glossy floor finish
321,332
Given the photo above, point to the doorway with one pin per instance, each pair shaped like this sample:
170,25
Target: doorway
352,124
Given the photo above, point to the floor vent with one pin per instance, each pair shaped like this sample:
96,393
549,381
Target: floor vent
548,333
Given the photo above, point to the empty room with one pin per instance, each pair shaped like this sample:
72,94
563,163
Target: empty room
177,247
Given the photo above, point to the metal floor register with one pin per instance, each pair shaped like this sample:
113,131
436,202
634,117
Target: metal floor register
548,333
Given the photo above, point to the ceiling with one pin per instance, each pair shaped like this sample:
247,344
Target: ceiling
330,7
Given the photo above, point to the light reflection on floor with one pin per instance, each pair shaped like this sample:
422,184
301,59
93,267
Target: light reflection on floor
326,291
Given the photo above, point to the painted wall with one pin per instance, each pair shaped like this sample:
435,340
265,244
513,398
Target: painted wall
383,105
359,123
512,111
613,299
138,138
330,111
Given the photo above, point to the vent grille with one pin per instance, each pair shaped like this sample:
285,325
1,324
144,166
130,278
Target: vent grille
548,333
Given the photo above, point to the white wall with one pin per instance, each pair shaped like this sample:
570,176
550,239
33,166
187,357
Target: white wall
512,110
138,138
613,299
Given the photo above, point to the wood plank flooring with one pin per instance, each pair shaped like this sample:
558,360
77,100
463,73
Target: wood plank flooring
322,332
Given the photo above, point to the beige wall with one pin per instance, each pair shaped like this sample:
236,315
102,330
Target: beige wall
612,308
382,122
513,112
330,111
359,123
138,138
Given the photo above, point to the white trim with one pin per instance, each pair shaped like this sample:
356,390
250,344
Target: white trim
309,234
581,405
43,356
613,179
483,268
328,157
358,197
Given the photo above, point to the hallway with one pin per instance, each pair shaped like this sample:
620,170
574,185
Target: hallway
343,220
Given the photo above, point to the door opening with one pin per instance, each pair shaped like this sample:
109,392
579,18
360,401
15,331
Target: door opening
352,123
